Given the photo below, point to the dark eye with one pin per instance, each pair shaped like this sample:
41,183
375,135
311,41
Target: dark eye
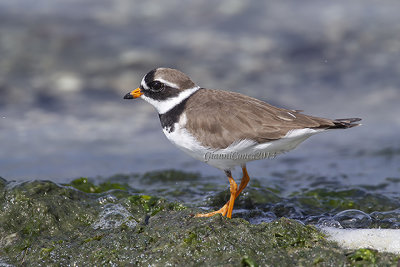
157,86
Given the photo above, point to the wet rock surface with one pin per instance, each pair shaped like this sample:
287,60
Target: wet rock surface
43,223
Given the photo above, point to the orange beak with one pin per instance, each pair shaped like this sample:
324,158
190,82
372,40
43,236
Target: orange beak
133,94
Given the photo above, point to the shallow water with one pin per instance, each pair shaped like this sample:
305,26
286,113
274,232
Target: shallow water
65,68
325,201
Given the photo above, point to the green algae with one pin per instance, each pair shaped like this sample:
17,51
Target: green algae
168,176
362,257
46,224
87,186
153,205
289,235
45,252
334,200
94,238
248,262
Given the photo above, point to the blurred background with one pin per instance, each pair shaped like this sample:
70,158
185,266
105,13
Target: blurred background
66,64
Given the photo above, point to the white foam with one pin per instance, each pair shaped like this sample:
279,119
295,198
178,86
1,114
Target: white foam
113,216
383,240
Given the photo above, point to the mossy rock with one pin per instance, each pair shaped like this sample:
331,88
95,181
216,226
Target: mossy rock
85,185
168,176
46,224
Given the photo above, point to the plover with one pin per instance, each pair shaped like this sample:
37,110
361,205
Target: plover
226,129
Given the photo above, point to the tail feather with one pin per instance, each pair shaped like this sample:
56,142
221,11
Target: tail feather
345,123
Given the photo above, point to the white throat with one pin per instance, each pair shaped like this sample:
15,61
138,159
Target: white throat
163,106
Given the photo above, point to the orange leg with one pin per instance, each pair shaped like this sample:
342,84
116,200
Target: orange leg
233,196
228,207
245,180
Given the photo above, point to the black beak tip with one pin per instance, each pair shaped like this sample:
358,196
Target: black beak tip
128,96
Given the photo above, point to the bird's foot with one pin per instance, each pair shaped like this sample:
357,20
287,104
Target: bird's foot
221,211
226,210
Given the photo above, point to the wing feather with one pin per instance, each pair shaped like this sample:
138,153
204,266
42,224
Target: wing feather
220,118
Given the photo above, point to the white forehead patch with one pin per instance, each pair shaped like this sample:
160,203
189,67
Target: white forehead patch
143,84
170,84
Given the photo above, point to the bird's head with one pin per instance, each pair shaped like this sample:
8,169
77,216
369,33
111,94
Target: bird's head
163,87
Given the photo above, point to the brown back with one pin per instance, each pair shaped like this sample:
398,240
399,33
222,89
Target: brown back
219,118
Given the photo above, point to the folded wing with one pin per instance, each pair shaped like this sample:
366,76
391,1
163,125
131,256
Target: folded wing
220,118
